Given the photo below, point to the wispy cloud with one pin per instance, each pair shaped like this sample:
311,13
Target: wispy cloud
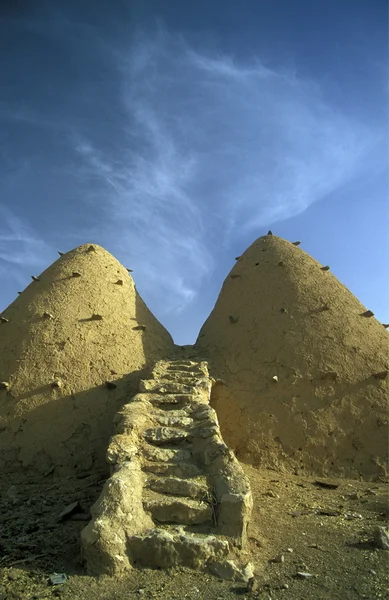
211,149
19,245
22,254
175,153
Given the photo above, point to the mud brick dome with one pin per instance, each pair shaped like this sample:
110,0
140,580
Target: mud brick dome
73,346
299,364
303,366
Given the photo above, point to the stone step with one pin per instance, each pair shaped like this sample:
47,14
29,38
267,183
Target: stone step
202,412
191,488
168,387
173,411
185,371
183,363
171,509
162,549
173,482
161,436
170,399
174,455
203,432
182,469
174,421
186,379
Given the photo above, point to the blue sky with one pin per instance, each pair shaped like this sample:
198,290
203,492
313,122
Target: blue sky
176,133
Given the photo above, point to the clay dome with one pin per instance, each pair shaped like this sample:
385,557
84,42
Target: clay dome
303,366
73,346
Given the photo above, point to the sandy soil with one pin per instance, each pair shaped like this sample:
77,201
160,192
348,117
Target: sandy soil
325,532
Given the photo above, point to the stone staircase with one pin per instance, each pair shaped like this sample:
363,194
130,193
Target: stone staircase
177,495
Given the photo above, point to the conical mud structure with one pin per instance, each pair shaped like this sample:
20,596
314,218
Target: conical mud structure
301,366
73,345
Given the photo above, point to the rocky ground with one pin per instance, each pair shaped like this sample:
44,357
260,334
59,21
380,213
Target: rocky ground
307,541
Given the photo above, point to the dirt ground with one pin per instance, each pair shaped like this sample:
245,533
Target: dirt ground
297,526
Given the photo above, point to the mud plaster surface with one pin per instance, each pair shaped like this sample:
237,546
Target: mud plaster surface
279,315
67,429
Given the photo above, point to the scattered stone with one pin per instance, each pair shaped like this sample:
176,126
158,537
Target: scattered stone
271,494
91,249
367,313
47,315
252,585
283,310
237,257
303,575
4,385
381,537
130,270
284,586
327,512
233,319
60,253
280,558
96,317
386,325
57,383
119,282
35,278
326,268
227,569
326,484
280,264
139,328
58,578
289,550
269,232
372,572
4,320
296,243
275,378
69,510
76,274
